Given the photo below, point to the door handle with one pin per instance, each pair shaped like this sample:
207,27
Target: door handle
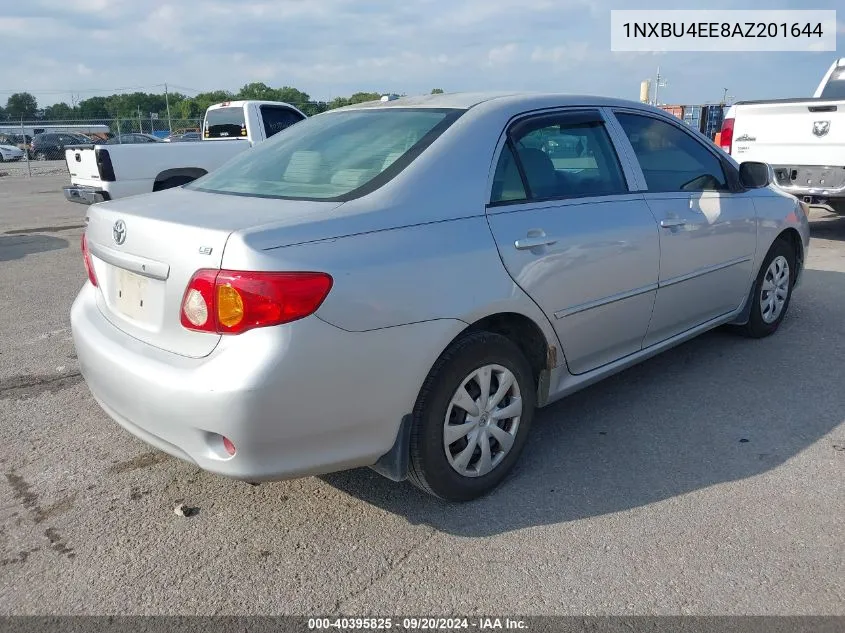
534,241
672,222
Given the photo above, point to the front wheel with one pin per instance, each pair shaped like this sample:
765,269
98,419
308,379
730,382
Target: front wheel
472,418
772,290
40,156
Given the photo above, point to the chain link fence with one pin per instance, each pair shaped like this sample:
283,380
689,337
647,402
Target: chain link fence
42,143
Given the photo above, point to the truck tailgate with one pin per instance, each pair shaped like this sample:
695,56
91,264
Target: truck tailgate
799,133
82,165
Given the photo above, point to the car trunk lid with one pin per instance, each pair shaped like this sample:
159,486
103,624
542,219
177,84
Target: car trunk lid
145,249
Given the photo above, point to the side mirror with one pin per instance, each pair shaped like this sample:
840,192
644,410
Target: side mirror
754,175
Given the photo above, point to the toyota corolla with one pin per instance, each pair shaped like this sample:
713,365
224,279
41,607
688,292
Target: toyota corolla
400,284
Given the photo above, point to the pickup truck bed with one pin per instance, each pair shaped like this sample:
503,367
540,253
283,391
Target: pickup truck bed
108,172
137,169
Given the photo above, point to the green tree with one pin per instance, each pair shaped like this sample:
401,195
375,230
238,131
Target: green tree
259,91
189,109
363,97
312,108
94,108
2,113
437,91
295,97
338,102
59,112
205,99
21,105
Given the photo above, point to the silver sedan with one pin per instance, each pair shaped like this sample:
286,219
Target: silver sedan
400,284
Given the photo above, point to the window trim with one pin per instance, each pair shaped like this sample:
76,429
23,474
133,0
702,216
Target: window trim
554,113
731,178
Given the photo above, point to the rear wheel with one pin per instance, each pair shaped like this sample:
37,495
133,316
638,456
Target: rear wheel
472,418
772,291
40,156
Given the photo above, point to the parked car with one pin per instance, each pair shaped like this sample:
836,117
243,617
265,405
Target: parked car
802,139
21,141
187,136
107,173
133,138
10,153
399,284
52,145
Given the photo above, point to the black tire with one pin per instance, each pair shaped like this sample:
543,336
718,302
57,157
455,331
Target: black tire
1,158
170,183
757,327
40,156
429,468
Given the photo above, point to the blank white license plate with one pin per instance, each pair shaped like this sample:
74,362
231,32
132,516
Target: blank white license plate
130,293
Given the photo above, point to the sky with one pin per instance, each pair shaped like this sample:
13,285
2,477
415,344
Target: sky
61,50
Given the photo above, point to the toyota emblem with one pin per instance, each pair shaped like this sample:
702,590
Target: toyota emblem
119,232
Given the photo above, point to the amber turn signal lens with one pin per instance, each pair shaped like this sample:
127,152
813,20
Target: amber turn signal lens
230,306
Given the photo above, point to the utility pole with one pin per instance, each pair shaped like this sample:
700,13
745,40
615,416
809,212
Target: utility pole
657,86
140,128
167,102
725,96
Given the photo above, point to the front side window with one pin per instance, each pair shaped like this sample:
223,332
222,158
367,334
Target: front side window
335,155
276,119
671,159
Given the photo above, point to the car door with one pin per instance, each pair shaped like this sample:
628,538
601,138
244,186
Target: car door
572,234
708,230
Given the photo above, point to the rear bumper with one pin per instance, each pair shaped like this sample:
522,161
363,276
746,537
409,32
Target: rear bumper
85,195
821,187
300,399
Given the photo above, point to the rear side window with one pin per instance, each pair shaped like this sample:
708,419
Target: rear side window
671,159
507,182
566,155
332,156
225,123
276,119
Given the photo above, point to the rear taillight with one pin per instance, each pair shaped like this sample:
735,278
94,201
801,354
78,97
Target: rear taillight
726,136
231,302
104,166
86,257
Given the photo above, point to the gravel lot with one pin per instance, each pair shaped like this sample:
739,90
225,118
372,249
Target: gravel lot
709,480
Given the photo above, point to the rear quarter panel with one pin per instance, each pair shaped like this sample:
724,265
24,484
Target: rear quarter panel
441,270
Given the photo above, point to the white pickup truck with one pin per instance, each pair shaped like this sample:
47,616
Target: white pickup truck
109,171
802,139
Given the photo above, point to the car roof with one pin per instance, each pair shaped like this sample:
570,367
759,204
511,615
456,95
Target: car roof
505,100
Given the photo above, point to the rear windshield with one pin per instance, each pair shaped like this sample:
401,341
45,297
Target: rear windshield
225,123
835,87
332,156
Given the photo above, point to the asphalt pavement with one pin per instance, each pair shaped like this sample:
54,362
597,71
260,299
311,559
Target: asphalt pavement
709,480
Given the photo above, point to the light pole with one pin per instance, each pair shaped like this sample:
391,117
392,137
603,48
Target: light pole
658,84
